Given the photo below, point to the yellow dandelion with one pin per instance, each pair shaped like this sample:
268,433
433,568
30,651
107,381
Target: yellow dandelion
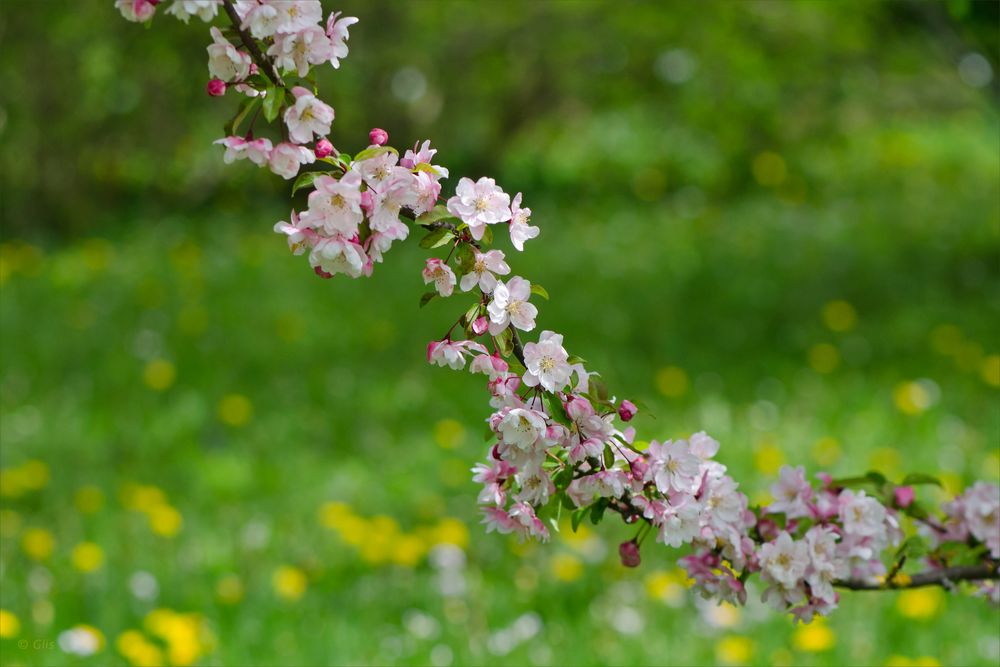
920,603
734,650
235,410
990,370
672,382
34,475
88,499
164,520
333,514
139,651
353,530
185,635
451,531
886,459
814,637
38,543
229,589
566,567
839,316
10,626
449,433
87,557
289,582
768,459
824,358
408,551
769,169
159,374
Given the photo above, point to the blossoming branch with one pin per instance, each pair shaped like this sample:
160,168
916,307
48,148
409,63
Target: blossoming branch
559,440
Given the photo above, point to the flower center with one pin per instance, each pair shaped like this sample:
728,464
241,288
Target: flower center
337,201
784,561
514,307
546,364
482,203
480,266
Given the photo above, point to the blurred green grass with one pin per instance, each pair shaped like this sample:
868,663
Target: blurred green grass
804,265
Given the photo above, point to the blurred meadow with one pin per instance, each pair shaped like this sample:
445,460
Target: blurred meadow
775,221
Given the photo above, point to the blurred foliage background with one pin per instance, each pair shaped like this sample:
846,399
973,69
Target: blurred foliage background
776,221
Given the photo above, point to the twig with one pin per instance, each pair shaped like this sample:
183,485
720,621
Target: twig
263,63
940,577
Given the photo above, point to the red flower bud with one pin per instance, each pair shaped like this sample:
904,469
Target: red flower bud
904,496
627,410
378,137
323,148
216,87
629,553
321,273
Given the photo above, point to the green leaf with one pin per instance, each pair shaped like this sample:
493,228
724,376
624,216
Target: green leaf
913,547
875,477
566,501
577,517
574,360
246,106
423,166
915,478
609,456
540,291
437,238
273,100
472,313
505,341
556,409
305,180
465,258
427,298
487,239
599,389
374,151
439,212
597,511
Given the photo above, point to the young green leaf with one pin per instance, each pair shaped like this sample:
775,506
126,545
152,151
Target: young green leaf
540,291
305,180
427,298
273,100
245,108
374,151
437,238
915,478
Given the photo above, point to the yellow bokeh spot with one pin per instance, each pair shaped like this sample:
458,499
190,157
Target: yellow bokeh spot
911,398
734,650
34,475
88,499
903,661
139,651
826,451
970,357
10,626
141,497
10,523
814,637
667,586
289,582
38,543
886,459
192,320
333,514
920,603
164,520
824,358
159,374
672,382
235,410
768,459
991,465
839,316
946,339
449,433
229,589
408,551
990,370
186,635
769,169
451,531
87,557
566,567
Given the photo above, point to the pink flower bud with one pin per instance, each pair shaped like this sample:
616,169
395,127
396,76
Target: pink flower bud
495,452
321,273
367,202
627,410
904,496
768,529
253,69
154,2
480,325
629,553
378,137
323,148
216,87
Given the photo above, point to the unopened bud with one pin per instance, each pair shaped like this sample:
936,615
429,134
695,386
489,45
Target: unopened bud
378,137
367,202
627,410
629,553
904,496
216,87
480,325
321,273
323,148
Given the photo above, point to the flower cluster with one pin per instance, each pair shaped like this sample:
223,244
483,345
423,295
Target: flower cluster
556,441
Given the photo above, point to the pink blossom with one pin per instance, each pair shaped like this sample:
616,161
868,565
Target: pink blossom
672,466
546,362
426,190
510,306
480,325
527,524
791,492
299,236
493,477
498,520
784,561
490,364
336,31
307,117
520,230
519,427
262,20
286,159
336,255
257,151
452,353
703,445
225,62
536,486
484,267
335,205
628,552
185,9
296,51
378,137
478,204
296,15
422,155
439,273
903,496
137,11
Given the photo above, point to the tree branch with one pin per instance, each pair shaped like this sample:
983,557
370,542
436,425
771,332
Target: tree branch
939,577
265,65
